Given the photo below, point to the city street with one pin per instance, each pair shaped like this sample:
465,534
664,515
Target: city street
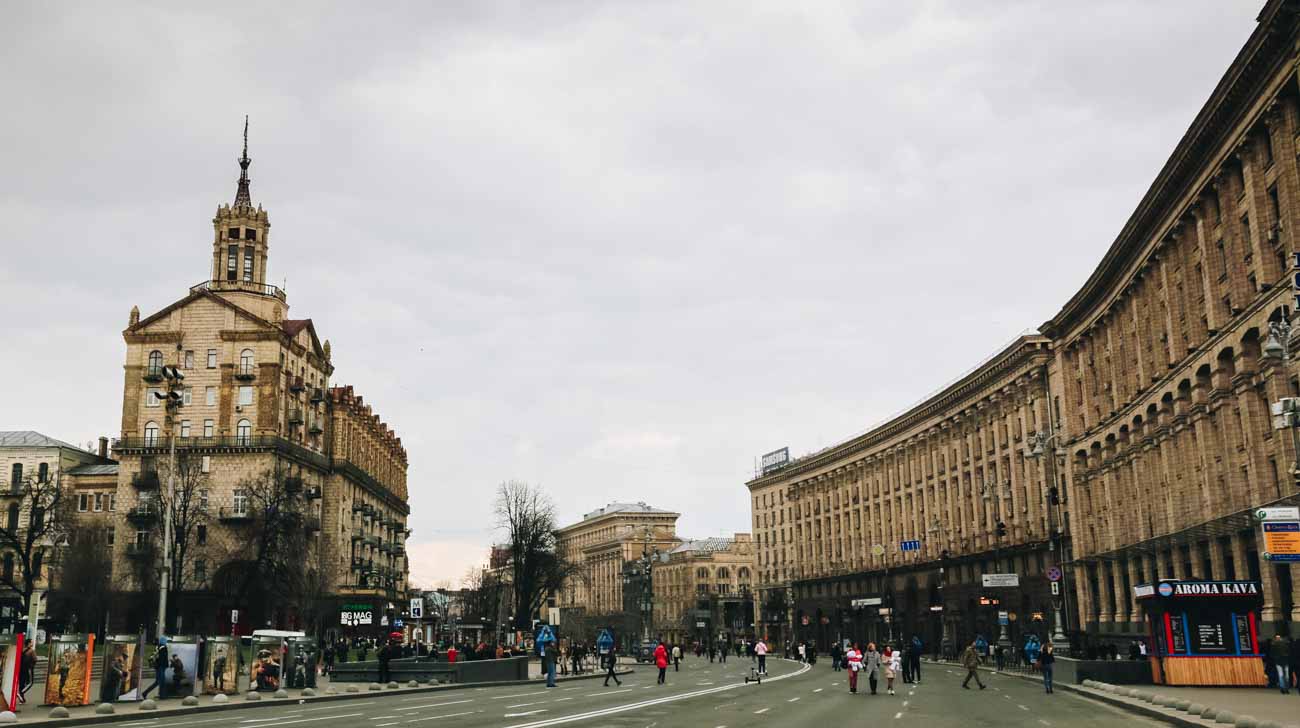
701,695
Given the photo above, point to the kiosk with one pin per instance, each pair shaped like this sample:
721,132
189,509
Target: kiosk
1203,632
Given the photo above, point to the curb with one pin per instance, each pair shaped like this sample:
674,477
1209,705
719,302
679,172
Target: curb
136,715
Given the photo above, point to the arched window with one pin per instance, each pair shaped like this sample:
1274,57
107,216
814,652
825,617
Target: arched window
150,434
724,573
743,573
701,573
155,363
11,522
246,361
244,433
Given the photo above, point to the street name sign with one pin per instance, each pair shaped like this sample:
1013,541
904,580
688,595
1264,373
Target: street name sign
865,602
1003,618
912,545
998,580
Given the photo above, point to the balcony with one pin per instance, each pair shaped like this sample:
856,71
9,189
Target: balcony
153,374
357,536
145,480
142,515
399,549
315,428
296,384
317,395
313,492
371,541
272,443
295,417
384,548
15,489
293,484
144,550
311,523
232,515
246,373
261,289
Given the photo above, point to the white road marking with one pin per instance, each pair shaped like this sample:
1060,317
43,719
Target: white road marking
381,725
435,717
381,717
308,720
518,695
305,710
897,716
433,705
520,715
294,714
1040,720
520,705
818,690
791,700
561,700
905,703
142,722
609,692
761,711
1022,707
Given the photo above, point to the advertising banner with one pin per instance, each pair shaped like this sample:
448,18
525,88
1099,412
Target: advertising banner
11,657
123,668
182,665
268,659
304,655
220,666
67,677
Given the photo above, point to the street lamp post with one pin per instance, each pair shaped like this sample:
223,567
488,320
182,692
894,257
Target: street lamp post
995,494
173,400
1278,346
1044,444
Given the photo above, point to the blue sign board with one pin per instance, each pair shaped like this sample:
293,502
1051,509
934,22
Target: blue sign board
545,635
604,642
909,545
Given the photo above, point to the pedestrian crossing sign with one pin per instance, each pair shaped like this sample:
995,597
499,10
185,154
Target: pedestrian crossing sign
604,642
545,635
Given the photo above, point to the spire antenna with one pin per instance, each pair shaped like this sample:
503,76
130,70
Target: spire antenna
242,196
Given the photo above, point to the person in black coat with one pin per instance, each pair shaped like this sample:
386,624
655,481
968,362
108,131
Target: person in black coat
385,655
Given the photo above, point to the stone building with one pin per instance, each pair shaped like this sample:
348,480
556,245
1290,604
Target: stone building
1160,366
951,474
601,543
254,406
704,591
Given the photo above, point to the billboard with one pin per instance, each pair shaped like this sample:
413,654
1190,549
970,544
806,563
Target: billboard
221,662
67,678
775,460
123,658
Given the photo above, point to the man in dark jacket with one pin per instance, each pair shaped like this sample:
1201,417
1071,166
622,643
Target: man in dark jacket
611,663
970,659
1280,650
385,656
160,663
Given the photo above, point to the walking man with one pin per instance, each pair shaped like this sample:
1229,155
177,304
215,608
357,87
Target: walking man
1280,650
160,663
970,659
677,658
760,650
835,656
611,662
1048,660
918,648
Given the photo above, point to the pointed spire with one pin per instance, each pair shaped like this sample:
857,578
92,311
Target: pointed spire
241,195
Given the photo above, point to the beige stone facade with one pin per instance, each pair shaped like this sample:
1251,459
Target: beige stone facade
602,542
704,590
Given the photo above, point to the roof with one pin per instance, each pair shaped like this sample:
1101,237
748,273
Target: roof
705,545
30,438
93,469
293,326
638,507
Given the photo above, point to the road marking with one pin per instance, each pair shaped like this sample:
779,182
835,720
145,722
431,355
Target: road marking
818,690
435,717
518,695
791,700
1040,720
1022,707
305,710
905,703
520,705
761,711
308,720
294,714
433,705
897,716
561,700
520,715
609,692
381,725
381,717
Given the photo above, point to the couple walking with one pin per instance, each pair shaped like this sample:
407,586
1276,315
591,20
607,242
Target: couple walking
872,662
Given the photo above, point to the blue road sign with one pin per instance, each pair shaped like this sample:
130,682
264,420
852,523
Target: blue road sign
909,545
545,634
604,642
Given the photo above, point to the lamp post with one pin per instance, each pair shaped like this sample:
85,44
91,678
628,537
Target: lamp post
1043,444
995,494
1278,346
173,401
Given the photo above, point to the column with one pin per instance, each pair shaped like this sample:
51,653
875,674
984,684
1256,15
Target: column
1135,613
1218,568
1121,596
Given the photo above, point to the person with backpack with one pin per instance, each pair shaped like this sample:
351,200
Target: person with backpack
160,663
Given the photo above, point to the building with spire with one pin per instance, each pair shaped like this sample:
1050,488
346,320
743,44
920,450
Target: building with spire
258,431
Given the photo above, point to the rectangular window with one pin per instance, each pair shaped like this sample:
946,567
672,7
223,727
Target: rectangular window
210,396
99,502
207,428
187,396
200,571
1245,231
245,395
232,233
112,505
42,472
112,534
1268,148
150,397
203,498
239,503
248,265
212,358
206,464
142,538
232,262
250,234
185,428
189,359
83,502
201,534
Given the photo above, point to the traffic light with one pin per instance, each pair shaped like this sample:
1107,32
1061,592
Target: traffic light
1054,495
1002,529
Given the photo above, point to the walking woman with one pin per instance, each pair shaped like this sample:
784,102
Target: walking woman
893,660
661,661
1048,660
871,665
855,664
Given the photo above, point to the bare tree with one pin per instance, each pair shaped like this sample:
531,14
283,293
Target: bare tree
188,507
527,515
38,516
81,581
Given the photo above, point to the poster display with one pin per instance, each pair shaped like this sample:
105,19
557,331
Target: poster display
1176,627
1244,644
182,665
123,668
11,655
221,666
1211,636
268,659
67,677
304,655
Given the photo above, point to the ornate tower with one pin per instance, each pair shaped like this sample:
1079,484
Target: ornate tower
239,246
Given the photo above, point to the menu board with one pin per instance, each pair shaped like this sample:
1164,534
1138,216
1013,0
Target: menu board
1179,647
1244,645
1210,637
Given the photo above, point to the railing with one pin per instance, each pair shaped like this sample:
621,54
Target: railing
153,374
295,417
146,480
311,523
140,550
293,484
234,516
315,428
262,289
296,384
144,446
246,372
142,514
317,395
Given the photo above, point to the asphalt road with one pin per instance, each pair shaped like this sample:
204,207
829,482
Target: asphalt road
701,695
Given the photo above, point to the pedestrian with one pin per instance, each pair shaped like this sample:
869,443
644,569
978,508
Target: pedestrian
661,661
906,650
1048,662
452,653
892,660
918,649
677,658
1280,650
760,650
871,666
385,656
722,652
855,665
803,652
546,650
610,659
1295,660
835,656
329,658
999,658
160,663
26,671
970,659
812,653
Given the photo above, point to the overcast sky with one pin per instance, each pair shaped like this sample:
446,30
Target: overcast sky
615,249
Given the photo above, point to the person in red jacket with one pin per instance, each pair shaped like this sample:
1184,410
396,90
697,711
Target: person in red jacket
661,661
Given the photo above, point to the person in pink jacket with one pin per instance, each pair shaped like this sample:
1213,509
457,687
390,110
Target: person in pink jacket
661,661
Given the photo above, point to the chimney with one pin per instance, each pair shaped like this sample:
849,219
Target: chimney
103,447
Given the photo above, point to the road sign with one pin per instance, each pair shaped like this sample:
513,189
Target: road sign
545,635
1054,574
877,550
996,580
1056,588
1281,540
234,616
1283,513
909,545
606,641
699,624
865,602
417,607
1003,618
